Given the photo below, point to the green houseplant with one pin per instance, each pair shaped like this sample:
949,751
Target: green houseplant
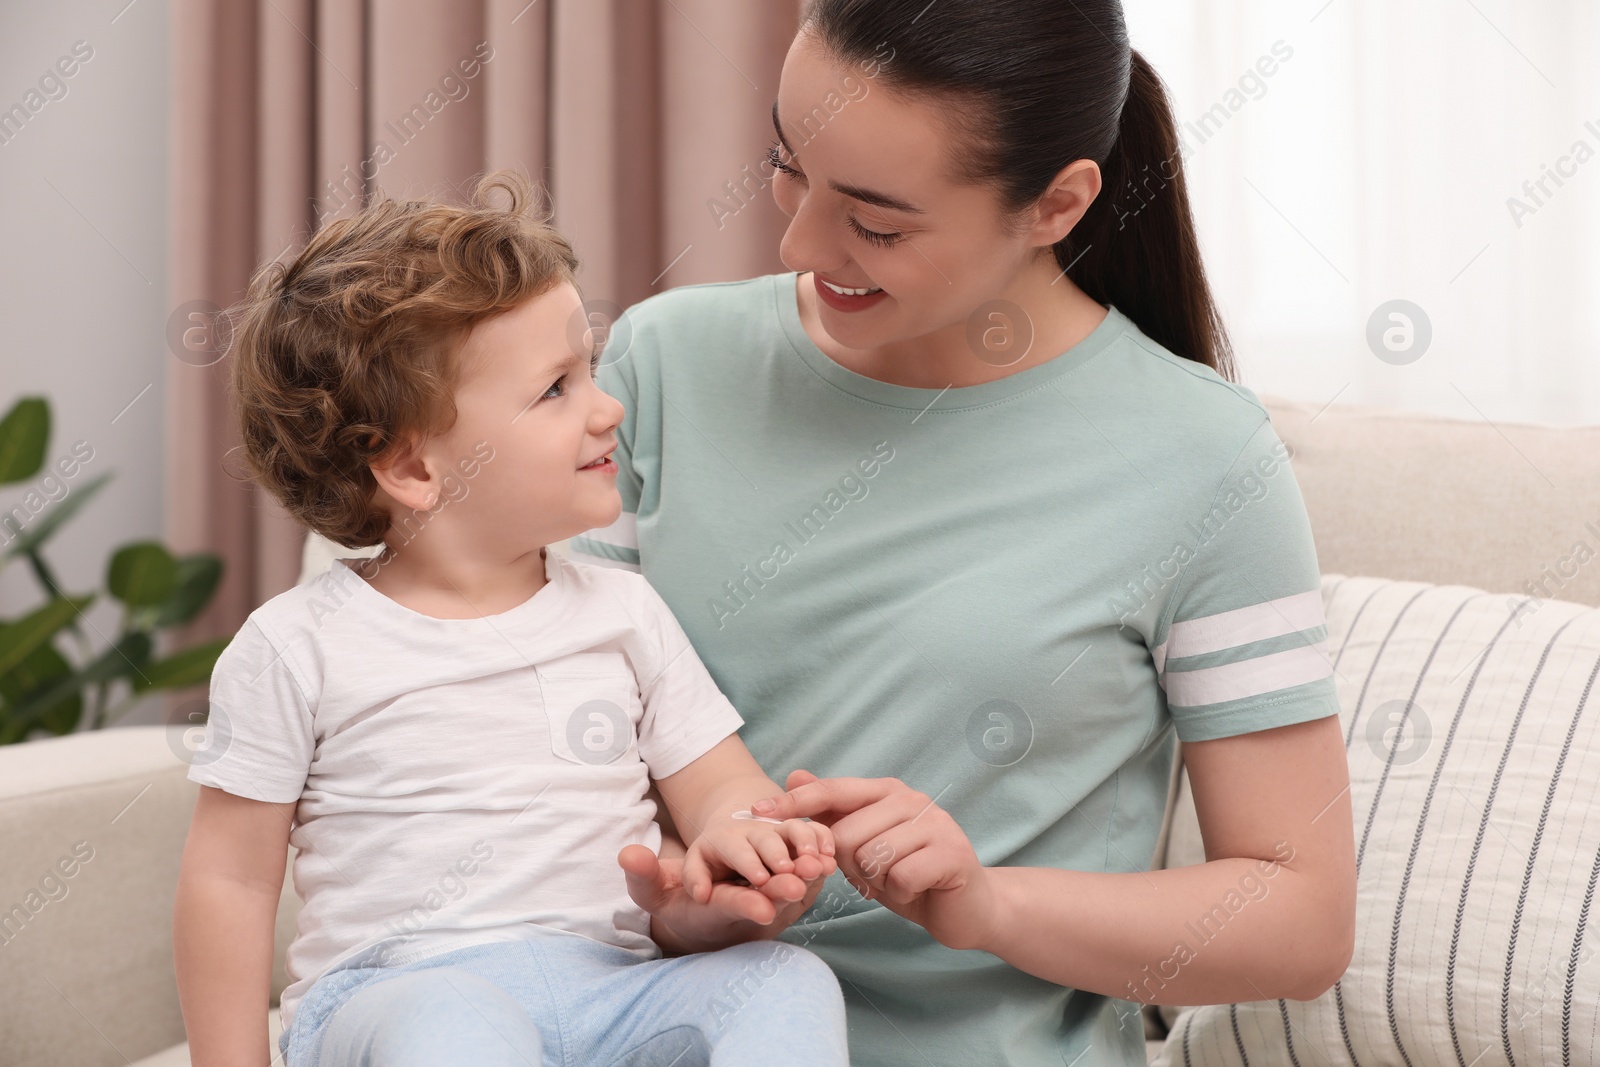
55,666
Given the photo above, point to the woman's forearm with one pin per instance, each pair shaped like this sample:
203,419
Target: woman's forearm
222,948
1212,933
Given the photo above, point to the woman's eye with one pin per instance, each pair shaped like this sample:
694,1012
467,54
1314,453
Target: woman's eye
774,158
883,240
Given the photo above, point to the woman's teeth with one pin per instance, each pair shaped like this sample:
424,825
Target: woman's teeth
851,292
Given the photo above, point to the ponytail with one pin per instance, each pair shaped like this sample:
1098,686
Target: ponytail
1136,246
1034,85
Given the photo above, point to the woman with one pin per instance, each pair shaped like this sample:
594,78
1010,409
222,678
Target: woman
966,517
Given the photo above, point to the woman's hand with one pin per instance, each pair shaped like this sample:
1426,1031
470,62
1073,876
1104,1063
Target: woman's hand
896,846
733,914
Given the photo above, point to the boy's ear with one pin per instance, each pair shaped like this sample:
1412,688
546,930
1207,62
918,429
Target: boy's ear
405,477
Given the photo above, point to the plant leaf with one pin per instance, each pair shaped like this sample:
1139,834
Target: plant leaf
38,533
11,727
189,667
131,652
24,433
198,576
19,639
40,672
142,574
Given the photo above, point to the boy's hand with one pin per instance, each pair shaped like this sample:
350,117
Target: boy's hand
898,847
734,914
756,849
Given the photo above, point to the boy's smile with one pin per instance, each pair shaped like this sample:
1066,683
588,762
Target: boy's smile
532,395
529,391
526,391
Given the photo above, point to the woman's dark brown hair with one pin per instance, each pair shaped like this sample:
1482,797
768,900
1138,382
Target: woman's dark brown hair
1037,84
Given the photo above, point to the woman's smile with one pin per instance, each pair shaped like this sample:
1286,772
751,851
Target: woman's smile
847,299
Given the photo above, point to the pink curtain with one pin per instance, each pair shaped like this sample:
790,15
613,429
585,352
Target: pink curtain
645,119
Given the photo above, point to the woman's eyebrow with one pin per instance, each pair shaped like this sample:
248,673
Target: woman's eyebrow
866,196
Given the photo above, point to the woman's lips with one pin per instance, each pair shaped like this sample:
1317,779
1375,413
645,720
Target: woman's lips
844,301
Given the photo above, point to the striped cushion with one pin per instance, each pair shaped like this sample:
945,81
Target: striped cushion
1473,733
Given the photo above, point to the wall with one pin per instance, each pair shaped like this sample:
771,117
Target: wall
82,270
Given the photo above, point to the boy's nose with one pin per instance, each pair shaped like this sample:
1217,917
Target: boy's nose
608,413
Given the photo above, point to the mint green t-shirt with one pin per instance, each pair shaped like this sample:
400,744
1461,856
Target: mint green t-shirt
1015,597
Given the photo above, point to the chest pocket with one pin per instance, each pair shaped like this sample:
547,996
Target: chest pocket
591,702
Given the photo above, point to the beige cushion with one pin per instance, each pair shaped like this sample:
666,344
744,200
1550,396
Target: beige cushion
88,975
1473,739
1399,495
178,1055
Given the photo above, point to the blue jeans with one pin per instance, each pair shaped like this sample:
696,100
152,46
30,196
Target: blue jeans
558,998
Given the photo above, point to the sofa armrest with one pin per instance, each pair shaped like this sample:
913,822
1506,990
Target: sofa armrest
92,827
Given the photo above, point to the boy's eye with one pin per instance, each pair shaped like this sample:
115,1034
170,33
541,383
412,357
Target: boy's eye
557,388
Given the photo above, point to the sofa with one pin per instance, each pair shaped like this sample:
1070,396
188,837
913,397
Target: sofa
92,825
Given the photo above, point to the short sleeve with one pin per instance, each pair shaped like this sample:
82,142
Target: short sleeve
685,713
1243,641
617,545
258,741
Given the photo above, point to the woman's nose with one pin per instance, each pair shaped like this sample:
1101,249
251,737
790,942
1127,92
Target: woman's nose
805,245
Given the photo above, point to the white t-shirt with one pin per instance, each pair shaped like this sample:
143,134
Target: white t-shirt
459,781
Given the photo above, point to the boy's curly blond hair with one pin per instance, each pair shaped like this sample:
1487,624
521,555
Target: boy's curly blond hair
346,355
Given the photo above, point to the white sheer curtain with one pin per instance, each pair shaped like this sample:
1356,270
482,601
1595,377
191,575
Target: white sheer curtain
1375,161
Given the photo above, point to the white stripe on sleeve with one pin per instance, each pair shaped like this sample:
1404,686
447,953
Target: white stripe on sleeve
1241,626
1248,678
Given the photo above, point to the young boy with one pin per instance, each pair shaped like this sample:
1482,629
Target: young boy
458,736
